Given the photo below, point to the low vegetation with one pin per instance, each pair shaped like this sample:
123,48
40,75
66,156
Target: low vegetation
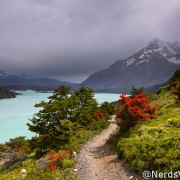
148,136
63,125
151,143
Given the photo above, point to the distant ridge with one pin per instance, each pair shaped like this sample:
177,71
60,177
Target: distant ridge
151,66
156,87
24,82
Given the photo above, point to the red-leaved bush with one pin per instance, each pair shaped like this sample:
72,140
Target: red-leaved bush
23,148
98,115
53,160
133,111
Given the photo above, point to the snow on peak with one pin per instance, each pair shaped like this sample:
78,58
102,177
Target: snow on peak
130,61
174,60
140,62
169,50
146,54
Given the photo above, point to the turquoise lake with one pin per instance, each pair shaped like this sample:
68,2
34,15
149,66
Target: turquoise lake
16,112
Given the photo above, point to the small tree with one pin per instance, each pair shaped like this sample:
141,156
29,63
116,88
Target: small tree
48,122
107,108
57,119
136,91
17,142
85,105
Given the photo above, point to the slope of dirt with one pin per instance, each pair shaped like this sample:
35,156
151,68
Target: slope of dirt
97,162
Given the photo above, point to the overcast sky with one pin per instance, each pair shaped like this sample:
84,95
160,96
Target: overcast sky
71,39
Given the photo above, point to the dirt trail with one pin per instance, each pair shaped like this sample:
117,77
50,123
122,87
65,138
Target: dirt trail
97,162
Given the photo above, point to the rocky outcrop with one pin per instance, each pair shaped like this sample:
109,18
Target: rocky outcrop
4,93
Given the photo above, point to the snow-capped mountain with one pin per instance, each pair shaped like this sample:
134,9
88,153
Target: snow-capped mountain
170,51
4,75
152,65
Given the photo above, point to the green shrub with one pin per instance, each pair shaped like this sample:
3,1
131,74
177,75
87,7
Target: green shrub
15,166
153,145
175,122
163,90
81,137
67,163
17,142
99,125
147,152
107,108
135,91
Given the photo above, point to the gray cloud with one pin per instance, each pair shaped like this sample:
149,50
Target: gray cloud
70,39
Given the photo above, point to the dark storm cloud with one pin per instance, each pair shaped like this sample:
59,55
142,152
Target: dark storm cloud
71,39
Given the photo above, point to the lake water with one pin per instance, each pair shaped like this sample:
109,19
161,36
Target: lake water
15,113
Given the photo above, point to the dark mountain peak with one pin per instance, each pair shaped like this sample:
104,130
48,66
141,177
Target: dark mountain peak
155,43
164,44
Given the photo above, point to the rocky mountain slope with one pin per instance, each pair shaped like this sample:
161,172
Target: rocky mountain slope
152,65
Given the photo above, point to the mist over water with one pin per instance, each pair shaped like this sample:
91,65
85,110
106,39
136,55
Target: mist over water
15,113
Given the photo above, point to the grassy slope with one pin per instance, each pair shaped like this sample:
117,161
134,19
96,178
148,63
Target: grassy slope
155,144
